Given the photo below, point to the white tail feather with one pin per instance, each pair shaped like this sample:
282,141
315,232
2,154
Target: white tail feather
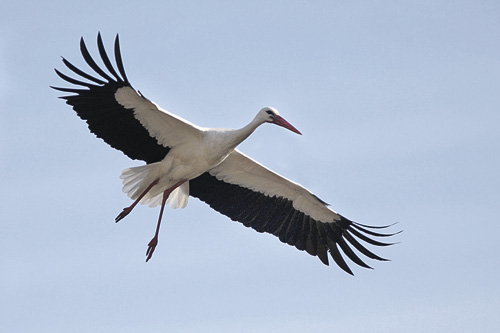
137,179
179,197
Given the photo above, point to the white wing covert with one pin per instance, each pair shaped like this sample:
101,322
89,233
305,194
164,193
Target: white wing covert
239,187
239,169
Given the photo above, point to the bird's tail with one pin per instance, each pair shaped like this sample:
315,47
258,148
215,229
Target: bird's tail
137,179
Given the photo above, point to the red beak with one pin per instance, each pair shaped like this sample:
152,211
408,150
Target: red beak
280,121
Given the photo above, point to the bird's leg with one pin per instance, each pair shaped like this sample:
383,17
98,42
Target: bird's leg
128,209
152,244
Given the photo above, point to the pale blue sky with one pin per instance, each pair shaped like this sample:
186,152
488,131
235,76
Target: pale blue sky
399,105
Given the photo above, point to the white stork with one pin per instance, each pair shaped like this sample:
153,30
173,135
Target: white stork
183,159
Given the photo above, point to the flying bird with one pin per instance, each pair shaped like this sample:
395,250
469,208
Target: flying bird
184,159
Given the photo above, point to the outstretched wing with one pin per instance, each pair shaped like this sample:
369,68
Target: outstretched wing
117,113
248,192
239,187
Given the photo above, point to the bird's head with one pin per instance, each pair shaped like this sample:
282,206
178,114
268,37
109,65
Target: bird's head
271,115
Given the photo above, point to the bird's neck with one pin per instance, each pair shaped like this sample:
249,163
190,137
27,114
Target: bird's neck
237,136
245,131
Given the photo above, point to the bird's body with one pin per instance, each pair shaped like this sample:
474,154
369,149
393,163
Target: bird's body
200,150
183,159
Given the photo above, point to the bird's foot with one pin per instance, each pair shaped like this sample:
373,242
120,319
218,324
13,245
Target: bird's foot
151,248
124,213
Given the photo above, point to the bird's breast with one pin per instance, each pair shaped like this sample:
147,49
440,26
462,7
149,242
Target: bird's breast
190,160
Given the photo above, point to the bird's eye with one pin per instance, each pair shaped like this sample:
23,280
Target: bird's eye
271,113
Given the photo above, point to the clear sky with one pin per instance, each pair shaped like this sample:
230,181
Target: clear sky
399,104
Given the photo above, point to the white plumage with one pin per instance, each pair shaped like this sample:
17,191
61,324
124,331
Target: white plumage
184,159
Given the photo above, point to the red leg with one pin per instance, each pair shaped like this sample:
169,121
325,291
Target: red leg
152,244
128,209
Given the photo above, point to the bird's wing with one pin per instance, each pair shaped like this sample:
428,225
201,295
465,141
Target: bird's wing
248,192
120,115
239,187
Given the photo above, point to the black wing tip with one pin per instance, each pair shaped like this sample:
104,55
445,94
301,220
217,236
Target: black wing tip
59,89
377,227
345,234
103,77
366,229
119,60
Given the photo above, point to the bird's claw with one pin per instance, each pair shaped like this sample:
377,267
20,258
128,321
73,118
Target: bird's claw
124,213
151,248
